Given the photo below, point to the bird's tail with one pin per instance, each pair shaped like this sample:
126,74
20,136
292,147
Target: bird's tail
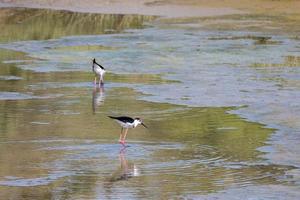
112,117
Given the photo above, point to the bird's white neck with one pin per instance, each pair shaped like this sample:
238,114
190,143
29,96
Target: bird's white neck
135,123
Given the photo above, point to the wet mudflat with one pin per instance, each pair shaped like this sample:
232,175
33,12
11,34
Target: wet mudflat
216,102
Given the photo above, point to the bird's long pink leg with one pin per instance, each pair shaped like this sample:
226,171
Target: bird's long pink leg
100,80
95,80
124,137
121,137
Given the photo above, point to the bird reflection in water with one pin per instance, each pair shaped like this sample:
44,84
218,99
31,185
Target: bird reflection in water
125,171
98,97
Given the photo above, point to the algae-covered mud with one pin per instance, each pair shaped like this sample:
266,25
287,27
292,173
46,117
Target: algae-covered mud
221,106
35,24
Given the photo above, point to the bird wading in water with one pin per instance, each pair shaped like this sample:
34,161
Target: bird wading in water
98,71
126,123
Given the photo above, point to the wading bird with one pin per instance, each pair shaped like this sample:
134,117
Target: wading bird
99,71
126,123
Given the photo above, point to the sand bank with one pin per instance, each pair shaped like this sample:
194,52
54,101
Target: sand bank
166,8
171,9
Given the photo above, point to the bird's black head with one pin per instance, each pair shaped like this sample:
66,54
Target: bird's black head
94,60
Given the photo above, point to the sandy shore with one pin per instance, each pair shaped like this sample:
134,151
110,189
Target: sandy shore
142,7
166,8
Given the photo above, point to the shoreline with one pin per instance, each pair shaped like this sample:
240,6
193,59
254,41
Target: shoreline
128,8
165,8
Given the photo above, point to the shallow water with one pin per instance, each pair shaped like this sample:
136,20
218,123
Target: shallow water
57,142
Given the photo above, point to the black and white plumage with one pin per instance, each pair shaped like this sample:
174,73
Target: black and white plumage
126,123
99,71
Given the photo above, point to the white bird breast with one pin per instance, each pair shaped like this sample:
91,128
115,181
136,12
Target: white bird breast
126,125
99,71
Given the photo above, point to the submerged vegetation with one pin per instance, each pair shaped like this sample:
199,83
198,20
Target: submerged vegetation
289,61
258,40
278,24
85,48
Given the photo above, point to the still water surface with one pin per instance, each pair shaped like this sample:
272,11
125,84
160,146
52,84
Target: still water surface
186,82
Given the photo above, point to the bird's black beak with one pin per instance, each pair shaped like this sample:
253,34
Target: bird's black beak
144,125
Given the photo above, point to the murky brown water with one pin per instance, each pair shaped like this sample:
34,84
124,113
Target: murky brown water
56,141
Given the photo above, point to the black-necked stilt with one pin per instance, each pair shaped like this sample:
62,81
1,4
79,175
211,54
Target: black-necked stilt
99,71
126,123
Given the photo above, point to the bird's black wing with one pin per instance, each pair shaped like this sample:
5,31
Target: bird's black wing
93,66
94,61
123,119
